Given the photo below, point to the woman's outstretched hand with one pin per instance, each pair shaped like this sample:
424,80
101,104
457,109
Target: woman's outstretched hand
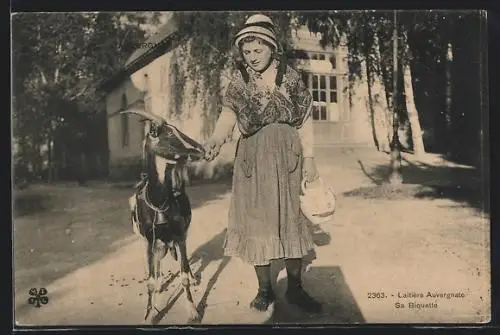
309,170
212,149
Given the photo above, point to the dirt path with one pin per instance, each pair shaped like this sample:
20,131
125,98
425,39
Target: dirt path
395,246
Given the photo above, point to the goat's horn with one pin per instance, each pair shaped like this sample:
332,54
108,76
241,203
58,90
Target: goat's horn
142,113
162,118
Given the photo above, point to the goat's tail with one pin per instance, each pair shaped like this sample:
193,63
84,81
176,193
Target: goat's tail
132,202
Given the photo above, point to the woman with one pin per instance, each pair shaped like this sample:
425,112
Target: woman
271,105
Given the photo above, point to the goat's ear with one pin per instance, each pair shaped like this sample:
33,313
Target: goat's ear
147,126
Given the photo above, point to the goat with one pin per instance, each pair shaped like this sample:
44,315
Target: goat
160,209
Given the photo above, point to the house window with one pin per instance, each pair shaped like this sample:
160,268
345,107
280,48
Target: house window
319,98
318,56
124,122
333,61
323,89
333,88
324,56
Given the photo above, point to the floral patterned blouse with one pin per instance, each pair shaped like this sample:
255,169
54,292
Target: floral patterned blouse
259,102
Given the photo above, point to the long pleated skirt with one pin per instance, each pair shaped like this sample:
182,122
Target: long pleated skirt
265,221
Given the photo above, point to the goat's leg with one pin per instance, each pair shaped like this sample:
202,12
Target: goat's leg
147,250
194,280
150,282
193,315
156,251
160,251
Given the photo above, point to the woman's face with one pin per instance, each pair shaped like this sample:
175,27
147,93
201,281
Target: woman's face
256,54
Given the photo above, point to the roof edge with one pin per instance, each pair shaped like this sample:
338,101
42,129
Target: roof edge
159,48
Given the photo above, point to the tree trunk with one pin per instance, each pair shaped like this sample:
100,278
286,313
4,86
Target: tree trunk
379,90
411,108
448,95
37,160
369,82
385,80
82,171
416,130
49,159
395,177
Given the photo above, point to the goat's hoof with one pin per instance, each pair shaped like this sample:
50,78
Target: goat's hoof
194,316
194,280
148,313
153,285
270,310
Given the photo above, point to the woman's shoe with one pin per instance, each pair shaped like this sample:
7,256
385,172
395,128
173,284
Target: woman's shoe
262,300
296,295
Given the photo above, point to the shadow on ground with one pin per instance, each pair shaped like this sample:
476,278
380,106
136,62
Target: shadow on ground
328,286
25,204
325,283
463,185
213,251
207,253
69,227
319,236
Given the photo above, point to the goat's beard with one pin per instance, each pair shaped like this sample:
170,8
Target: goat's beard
180,175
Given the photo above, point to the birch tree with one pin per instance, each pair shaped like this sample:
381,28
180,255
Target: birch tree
411,109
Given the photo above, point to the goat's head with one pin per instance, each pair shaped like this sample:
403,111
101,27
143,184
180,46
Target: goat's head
165,146
168,142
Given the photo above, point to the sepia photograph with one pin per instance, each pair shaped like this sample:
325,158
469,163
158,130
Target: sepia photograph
250,167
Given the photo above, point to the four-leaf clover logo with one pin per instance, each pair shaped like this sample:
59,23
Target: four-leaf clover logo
38,297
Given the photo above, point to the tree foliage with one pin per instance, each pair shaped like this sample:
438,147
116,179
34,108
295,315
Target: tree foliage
427,35
59,60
